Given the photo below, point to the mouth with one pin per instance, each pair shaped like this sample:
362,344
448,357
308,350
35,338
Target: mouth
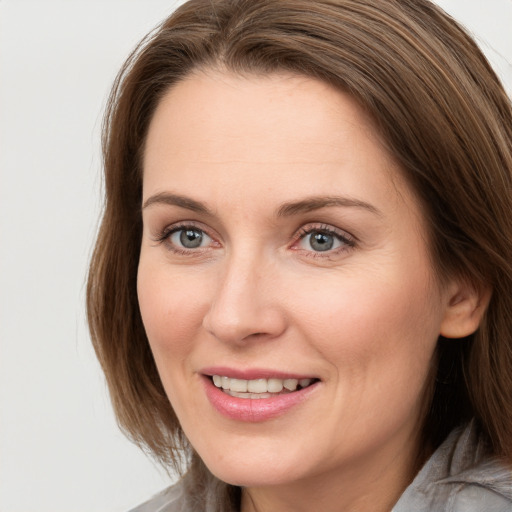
257,395
260,388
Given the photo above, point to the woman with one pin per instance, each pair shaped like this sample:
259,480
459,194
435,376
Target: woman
300,292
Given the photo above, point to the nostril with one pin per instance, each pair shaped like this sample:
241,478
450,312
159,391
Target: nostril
255,335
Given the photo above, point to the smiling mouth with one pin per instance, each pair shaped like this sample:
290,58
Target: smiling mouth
259,388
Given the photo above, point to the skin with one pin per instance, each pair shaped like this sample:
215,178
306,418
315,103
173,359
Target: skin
363,317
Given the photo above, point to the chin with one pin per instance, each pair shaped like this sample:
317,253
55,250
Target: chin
250,476
259,467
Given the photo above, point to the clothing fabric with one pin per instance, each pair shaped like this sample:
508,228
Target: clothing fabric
458,477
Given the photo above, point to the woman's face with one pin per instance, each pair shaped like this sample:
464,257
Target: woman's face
282,249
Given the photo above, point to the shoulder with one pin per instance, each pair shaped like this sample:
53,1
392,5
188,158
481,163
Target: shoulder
460,477
190,494
172,499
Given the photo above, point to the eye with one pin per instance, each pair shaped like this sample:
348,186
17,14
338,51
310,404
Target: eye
319,241
324,239
189,238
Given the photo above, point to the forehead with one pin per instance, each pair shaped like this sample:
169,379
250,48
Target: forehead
279,135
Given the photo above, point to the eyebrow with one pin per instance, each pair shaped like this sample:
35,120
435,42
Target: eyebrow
177,200
285,210
316,203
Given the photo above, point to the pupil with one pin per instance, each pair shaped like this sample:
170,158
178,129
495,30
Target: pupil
321,241
190,238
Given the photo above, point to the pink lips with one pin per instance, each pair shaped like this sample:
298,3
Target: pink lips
253,410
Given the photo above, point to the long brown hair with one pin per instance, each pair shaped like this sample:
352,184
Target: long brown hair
441,112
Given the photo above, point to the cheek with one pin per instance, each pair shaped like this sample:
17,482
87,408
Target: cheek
170,309
378,338
400,303
172,316
373,329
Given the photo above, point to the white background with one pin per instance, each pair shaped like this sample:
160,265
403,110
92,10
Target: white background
60,449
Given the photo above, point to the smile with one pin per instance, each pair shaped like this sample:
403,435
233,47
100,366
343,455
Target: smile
263,397
259,388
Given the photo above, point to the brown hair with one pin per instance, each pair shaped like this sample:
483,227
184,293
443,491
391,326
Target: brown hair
442,113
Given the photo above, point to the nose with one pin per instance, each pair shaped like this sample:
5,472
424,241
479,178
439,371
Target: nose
246,303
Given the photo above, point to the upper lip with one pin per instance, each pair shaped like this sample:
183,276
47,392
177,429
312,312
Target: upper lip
253,373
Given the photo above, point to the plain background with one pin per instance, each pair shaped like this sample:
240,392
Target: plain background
60,448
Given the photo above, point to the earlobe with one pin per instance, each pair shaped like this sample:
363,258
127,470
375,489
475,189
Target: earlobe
465,310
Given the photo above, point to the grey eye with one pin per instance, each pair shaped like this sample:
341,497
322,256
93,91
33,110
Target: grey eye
190,238
320,241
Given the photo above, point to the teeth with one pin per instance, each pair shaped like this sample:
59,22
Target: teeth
275,385
258,388
238,385
248,395
291,384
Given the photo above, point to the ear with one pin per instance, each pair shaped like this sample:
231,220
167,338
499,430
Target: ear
466,305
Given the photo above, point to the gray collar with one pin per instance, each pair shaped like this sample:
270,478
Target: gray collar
460,476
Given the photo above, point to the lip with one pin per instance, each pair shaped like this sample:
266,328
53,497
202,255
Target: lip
254,410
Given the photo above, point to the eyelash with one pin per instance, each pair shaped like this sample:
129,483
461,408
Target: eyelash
347,241
164,238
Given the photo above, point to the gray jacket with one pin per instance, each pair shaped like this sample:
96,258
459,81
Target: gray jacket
459,477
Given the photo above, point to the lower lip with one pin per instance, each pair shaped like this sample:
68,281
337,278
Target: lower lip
254,409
